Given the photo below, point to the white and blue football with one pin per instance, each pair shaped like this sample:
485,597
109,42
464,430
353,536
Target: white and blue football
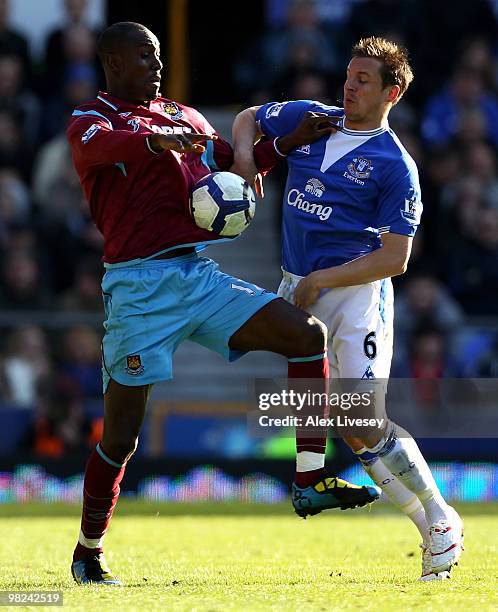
224,203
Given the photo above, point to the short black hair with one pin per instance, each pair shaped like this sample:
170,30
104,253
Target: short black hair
111,39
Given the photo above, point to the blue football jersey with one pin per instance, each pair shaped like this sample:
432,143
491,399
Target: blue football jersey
343,191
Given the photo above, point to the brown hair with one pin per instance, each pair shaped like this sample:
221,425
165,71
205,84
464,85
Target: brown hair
395,68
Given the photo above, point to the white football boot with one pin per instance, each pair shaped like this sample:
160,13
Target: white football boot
446,542
427,573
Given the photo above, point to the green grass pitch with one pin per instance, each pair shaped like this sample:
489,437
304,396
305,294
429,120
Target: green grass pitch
249,557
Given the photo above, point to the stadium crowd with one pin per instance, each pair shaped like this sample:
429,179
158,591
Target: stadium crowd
446,306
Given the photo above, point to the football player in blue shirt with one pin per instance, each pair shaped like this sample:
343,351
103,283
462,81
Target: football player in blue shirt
351,207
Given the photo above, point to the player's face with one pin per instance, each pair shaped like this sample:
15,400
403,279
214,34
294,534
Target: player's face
365,99
140,73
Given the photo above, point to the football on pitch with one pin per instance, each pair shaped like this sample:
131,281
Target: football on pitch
224,203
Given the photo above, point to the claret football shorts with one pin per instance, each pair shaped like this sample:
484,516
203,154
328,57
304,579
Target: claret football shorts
359,320
153,305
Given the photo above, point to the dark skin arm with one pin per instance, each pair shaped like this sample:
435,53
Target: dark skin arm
181,143
312,127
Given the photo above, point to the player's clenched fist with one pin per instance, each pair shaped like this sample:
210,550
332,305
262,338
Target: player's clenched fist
181,143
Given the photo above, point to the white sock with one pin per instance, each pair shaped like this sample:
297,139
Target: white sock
90,542
400,454
397,493
307,461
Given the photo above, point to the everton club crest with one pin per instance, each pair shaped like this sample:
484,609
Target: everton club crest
172,110
360,167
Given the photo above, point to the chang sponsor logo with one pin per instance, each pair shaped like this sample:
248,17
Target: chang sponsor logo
297,199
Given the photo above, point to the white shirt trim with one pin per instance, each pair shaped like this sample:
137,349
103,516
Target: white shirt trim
107,102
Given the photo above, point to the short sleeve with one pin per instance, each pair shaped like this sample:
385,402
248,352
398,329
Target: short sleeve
279,118
400,203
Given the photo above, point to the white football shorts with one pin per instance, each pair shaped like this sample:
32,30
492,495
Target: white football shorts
359,320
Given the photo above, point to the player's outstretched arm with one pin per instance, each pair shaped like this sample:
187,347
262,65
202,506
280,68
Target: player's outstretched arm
245,134
390,260
181,143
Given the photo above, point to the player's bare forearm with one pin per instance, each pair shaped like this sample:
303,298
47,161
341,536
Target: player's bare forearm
390,260
181,143
244,134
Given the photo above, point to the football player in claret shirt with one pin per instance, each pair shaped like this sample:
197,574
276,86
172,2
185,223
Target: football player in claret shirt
138,156
351,207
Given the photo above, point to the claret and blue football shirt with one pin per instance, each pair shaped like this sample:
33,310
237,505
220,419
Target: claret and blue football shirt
343,191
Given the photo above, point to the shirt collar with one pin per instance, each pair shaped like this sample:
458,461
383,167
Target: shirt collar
117,104
373,132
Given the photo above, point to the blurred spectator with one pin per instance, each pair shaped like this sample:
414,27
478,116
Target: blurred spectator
22,287
76,80
424,301
476,56
301,44
444,167
480,164
13,153
79,86
461,220
69,240
304,85
86,293
66,226
22,103
26,367
443,25
56,185
79,51
52,161
428,356
389,18
61,428
15,206
12,42
473,267
472,126
79,371
22,238
72,42
487,366
465,92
